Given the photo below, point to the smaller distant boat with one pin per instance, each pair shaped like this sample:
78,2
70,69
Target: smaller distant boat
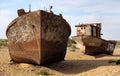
90,36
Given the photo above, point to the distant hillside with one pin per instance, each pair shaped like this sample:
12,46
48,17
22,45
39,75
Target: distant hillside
3,42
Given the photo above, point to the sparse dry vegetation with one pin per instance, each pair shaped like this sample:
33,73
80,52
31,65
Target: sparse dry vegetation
71,45
118,44
3,42
114,61
71,42
43,73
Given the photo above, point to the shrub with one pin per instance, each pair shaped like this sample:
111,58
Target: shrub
115,61
118,44
3,42
43,72
118,62
70,42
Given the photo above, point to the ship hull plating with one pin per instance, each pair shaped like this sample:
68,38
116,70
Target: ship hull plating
38,38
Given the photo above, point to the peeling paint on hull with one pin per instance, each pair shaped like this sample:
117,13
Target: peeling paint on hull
38,38
96,45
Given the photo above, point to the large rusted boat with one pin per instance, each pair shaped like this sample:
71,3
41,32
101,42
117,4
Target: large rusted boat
37,37
89,35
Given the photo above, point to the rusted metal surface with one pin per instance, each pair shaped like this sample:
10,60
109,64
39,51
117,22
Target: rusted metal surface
38,37
95,46
93,29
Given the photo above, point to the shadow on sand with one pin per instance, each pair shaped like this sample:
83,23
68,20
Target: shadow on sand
77,66
104,55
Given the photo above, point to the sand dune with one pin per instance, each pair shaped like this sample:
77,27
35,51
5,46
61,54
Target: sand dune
75,64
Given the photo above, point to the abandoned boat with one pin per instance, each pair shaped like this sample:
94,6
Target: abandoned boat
37,37
89,35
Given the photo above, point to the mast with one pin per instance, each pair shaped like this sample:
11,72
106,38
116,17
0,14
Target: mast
29,7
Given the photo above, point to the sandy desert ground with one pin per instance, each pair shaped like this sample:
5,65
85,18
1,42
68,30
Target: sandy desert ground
75,64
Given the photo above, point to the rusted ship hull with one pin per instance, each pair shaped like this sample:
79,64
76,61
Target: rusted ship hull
94,45
38,38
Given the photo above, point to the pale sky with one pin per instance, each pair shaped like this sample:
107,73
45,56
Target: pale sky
75,12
